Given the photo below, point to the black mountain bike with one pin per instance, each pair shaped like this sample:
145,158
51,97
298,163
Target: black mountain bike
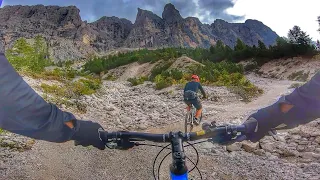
178,170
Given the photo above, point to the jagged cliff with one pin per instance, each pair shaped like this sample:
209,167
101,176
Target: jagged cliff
71,38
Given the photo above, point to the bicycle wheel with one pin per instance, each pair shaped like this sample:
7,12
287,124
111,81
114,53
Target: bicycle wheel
187,122
200,118
193,113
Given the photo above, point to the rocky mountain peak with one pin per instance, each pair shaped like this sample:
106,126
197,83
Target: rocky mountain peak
55,14
104,22
71,38
171,14
142,15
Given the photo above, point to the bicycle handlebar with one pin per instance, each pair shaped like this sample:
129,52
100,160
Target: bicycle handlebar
178,170
207,132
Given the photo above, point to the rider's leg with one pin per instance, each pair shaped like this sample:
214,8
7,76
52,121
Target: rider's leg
198,113
197,104
188,105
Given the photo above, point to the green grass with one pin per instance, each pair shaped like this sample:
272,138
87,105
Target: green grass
2,131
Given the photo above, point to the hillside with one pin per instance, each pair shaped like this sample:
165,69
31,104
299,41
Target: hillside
70,38
296,68
139,70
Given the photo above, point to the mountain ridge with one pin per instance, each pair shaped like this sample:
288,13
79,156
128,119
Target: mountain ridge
69,37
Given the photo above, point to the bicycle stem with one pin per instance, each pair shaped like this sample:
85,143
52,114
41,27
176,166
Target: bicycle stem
178,166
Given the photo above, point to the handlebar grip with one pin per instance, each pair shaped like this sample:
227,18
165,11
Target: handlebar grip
103,136
241,128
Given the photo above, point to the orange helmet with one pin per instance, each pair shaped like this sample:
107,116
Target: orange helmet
195,77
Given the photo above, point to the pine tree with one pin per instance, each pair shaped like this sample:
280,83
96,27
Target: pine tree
240,45
261,45
297,36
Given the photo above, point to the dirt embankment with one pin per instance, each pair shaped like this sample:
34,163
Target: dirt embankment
297,68
135,69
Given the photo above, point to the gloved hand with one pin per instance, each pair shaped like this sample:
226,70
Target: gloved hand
88,134
269,118
225,139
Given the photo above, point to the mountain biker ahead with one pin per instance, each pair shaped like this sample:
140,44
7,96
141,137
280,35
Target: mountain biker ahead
190,96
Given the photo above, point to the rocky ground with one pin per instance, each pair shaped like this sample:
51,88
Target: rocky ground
293,154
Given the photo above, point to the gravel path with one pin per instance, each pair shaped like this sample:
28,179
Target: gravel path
146,109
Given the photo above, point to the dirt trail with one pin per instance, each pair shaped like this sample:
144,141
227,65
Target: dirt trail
237,111
49,161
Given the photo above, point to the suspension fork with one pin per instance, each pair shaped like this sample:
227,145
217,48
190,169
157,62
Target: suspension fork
178,168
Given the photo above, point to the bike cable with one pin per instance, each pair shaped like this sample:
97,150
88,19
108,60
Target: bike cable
194,164
199,142
161,164
152,145
155,159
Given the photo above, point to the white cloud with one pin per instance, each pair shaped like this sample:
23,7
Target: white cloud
282,15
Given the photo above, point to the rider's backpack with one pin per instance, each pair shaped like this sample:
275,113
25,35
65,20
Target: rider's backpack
189,95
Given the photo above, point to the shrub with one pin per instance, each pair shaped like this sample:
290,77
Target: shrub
110,77
30,57
80,88
163,82
86,86
73,89
299,76
160,69
56,74
174,73
61,91
295,85
137,81
246,93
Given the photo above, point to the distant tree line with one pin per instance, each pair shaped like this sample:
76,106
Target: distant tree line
298,43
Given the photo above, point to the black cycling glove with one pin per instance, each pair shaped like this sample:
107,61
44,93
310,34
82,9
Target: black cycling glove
87,134
271,117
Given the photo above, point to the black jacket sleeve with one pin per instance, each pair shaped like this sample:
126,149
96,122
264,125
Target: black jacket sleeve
307,96
24,112
202,91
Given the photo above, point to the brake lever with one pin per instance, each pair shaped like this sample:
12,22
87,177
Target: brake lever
228,141
122,144
231,136
206,126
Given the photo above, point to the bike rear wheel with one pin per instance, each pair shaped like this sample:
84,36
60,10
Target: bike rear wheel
188,124
200,119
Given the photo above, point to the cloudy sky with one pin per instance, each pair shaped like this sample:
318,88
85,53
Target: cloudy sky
279,15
